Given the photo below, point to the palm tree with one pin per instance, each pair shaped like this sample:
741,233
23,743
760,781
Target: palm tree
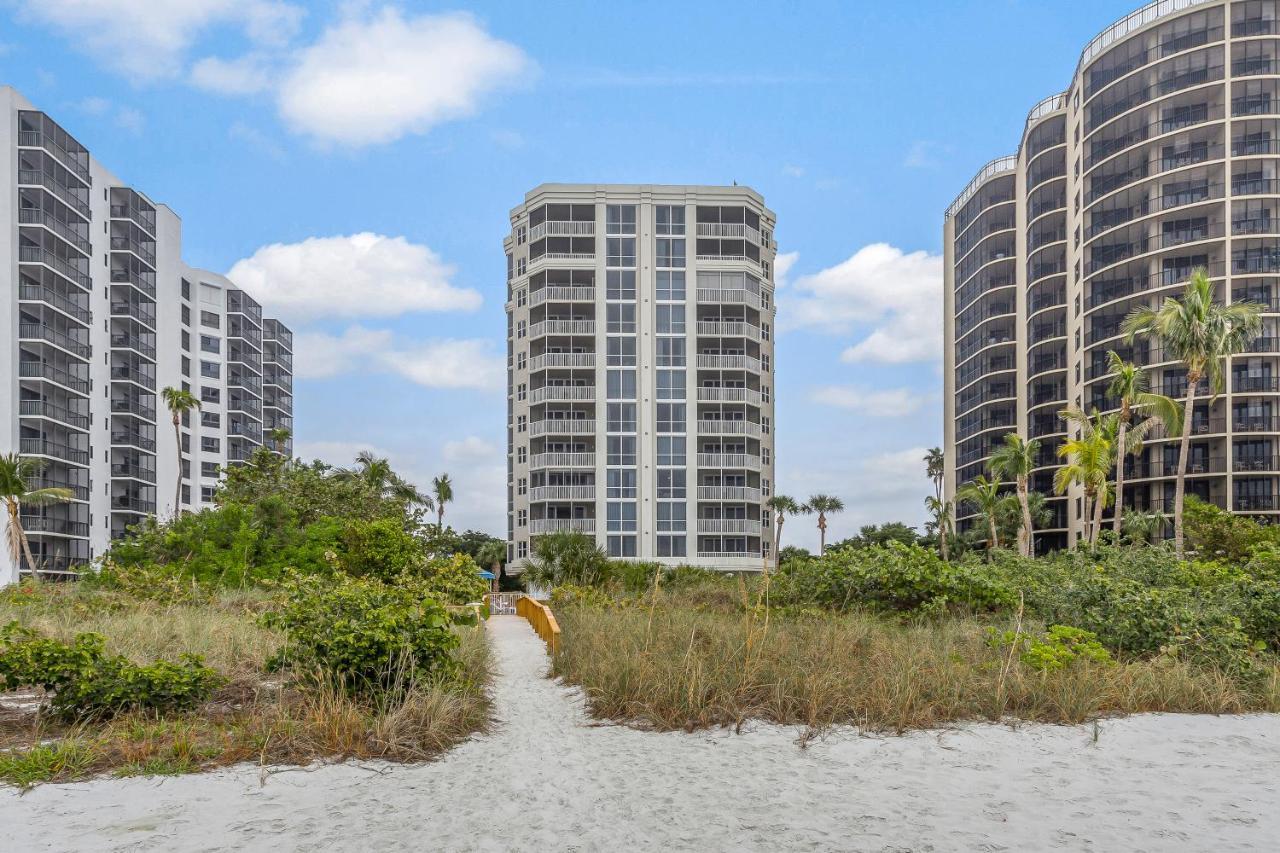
823,504
442,489
279,437
179,401
375,472
985,495
935,464
1201,334
1089,456
1130,385
1140,526
941,512
16,476
491,554
782,506
1014,461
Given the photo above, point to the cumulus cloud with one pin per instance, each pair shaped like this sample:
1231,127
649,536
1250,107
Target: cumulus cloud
245,75
890,298
469,363
360,275
376,79
149,40
888,403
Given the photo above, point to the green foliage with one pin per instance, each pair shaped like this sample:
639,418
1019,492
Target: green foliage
1215,534
567,557
380,548
894,577
454,580
362,633
67,758
882,534
1057,648
87,683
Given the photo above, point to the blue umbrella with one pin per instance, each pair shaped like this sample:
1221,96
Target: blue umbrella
487,575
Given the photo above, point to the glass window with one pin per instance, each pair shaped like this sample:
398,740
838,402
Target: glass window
670,384
210,319
622,483
620,251
210,395
671,417
671,517
622,417
671,319
622,450
670,352
670,252
621,384
671,546
671,450
208,343
670,219
671,285
621,317
620,284
620,219
622,517
671,483
210,369
622,546
210,444
622,352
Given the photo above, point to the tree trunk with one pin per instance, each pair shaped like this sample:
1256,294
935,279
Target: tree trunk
1097,518
177,490
19,544
991,527
777,543
1025,541
440,518
942,538
1188,411
1120,457
1087,515
822,534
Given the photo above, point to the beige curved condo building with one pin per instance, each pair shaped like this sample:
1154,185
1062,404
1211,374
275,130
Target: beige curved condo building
640,371
1162,155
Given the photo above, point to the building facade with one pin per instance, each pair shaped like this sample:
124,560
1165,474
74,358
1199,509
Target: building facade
98,314
1162,156
640,363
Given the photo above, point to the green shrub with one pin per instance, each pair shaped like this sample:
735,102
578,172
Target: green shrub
894,577
1057,648
363,633
87,683
454,580
381,549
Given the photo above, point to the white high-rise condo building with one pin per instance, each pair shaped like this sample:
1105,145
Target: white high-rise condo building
98,314
1161,157
640,363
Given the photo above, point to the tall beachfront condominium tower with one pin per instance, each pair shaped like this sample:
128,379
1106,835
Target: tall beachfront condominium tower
98,314
640,363
1161,157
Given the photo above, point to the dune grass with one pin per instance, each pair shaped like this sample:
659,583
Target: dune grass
271,718
680,662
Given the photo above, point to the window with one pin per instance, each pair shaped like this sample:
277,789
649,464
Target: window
185,442
521,455
670,352
186,366
211,369
522,297
620,251
186,493
186,315
620,284
522,391
622,450
522,234
522,328
210,419
670,384
186,340
186,469
671,546
670,252
671,285
764,393
671,417
522,423
522,550
522,517
621,317
521,266
186,289
671,450
522,486
621,417
208,343
622,517
210,444
622,483
764,362
671,319
521,359
620,219
210,319
622,546
671,483
621,352
670,219
671,517
208,469
210,395
764,424
764,330
620,384
206,493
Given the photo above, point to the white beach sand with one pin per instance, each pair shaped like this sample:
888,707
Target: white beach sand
546,779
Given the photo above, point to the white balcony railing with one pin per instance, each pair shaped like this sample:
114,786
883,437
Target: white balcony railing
728,460
729,296
562,294
728,362
555,525
729,395
729,229
562,359
561,256
562,327
562,393
703,259
562,493
728,555
729,428
729,493
562,426
747,526
729,329
563,460
558,228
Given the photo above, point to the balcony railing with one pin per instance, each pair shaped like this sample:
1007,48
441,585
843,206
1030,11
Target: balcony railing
78,491
729,395
729,555
561,228
45,409
729,329
728,229
133,342
60,526
730,428
36,216
37,293
136,310
563,460
126,406
747,526
556,525
129,503
540,494
63,191
1253,503
40,255
728,460
729,296
728,362
562,426
562,294
125,373
562,393
739,494
562,327
75,163
44,370
562,359
133,471
41,332
55,449
132,438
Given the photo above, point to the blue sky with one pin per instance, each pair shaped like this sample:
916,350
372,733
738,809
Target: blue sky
355,162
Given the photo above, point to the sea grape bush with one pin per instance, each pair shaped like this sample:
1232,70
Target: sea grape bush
1058,648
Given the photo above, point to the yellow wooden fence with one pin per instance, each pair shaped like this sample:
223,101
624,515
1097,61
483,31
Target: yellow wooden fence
542,620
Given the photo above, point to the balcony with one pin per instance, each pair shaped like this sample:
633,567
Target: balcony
78,492
135,310
40,255
45,409
133,471
730,395
557,525
132,438
737,494
132,504
36,216
729,296
729,555
728,362
126,406
729,461
1255,503
41,332
44,370
562,294
562,327
58,526
540,494
562,359
49,296
77,161
562,228
562,460
1256,463
730,428
729,329
562,426
53,449
562,393
744,526
62,191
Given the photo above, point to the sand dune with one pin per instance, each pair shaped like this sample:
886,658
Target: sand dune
547,779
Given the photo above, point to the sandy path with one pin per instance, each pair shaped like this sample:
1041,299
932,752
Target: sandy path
547,780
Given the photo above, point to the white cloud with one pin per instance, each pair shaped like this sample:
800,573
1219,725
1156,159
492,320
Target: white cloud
792,171
255,138
888,403
125,118
923,154
471,363
376,79
149,40
246,75
471,449
895,295
361,275
337,453
782,265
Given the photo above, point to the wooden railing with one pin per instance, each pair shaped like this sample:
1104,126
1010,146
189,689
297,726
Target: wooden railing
542,620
